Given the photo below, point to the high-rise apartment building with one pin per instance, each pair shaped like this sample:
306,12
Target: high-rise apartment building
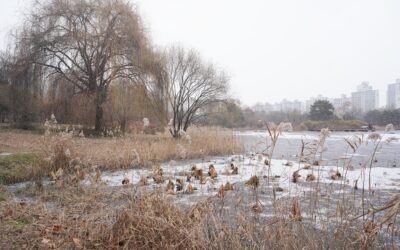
393,95
365,98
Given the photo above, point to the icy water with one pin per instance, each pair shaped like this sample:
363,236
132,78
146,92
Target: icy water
337,150
385,171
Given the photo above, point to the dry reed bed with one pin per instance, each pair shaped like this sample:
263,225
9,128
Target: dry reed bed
66,216
63,151
146,150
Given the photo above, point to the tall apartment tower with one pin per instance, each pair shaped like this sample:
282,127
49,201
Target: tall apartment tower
365,98
393,95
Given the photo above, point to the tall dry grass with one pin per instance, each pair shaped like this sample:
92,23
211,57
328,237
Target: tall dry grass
63,150
100,218
147,150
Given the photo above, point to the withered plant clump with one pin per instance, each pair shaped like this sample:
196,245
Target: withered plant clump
212,172
253,182
310,177
296,176
153,223
336,175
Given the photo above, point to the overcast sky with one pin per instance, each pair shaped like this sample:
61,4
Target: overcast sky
272,50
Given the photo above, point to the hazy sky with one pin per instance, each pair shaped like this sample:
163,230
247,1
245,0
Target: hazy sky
277,49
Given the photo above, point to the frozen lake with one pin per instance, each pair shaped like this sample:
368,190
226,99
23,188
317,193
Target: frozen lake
385,171
289,146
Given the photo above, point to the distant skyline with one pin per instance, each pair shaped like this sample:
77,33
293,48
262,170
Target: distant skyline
274,50
330,98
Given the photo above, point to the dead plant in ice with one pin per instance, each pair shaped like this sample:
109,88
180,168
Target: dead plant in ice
212,172
158,174
221,192
203,179
97,176
253,182
355,185
198,174
228,186
256,207
231,170
170,186
273,132
295,211
158,179
157,170
304,145
179,185
277,189
234,169
188,177
125,181
336,175
310,178
143,181
310,150
296,176
189,189
288,163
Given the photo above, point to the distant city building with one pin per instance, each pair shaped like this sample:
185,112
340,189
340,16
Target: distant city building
362,100
342,105
283,106
266,107
287,106
341,101
365,98
393,95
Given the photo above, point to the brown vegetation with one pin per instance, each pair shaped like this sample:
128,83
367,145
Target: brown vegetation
333,125
67,215
113,154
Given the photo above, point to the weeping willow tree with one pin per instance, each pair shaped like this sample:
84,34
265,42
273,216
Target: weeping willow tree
23,82
89,44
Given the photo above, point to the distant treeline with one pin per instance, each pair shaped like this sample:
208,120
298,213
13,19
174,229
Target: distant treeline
384,117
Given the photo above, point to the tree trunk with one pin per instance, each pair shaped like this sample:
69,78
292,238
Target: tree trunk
99,117
123,125
99,111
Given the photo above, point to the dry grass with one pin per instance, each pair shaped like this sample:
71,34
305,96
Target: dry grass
116,153
333,125
96,217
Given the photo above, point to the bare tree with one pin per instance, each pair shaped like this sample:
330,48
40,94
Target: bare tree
89,43
192,85
155,80
126,103
24,84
